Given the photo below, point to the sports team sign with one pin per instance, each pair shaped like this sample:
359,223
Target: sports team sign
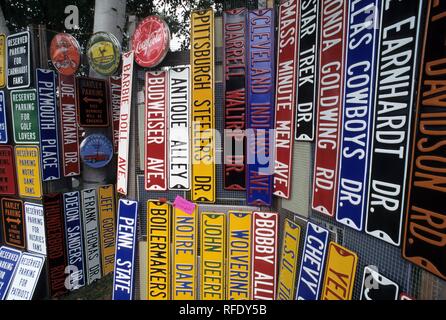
35,228
28,171
13,219
19,62
8,184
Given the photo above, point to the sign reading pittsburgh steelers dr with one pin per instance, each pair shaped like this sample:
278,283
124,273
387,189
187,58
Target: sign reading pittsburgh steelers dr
203,140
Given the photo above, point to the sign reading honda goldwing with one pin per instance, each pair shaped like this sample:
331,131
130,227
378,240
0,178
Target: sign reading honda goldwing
395,94
425,234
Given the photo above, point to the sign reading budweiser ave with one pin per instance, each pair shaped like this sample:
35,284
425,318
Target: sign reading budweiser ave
331,76
155,168
115,98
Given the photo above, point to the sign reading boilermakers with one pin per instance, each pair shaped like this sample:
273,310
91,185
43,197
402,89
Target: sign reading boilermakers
238,267
425,234
234,35
9,259
19,63
92,102
158,257
313,261
3,122
107,226
360,73
91,235
179,129
115,98
155,168
28,171
8,184
376,287
397,66
125,250
203,104
13,218
49,144
184,264
260,101
25,116
73,238
35,228
264,255
70,131
331,76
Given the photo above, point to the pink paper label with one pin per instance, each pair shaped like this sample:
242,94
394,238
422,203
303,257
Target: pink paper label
184,205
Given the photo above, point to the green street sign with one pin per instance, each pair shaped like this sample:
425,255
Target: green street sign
25,115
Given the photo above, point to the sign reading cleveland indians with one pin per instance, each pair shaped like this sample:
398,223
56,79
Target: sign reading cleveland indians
331,75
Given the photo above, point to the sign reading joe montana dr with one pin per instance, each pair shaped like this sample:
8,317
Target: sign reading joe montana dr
3,121
35,228
28,171
234,98
115,98
25,116
13,219
104,53
65,54
9,259
425,235
92,102
260,110
19,62
8,185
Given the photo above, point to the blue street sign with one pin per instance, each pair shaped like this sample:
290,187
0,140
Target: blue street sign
8,262
3,125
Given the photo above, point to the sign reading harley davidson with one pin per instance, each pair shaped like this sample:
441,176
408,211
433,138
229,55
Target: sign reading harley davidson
28,171
25,116
155,168
69,121
401,24
264,255
115,98
92,102
285,95
203,105
234,35
331,75
425,235
19,60
8,184
3,121
107,226
260,120
13,218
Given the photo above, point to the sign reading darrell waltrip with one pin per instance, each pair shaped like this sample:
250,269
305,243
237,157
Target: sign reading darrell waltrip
358,106
92,102
260,110
13,219
8,185
35,228
3,122
18,60
425,235
115,98
125,250
400,37
234,35
25,116
9,259
331,76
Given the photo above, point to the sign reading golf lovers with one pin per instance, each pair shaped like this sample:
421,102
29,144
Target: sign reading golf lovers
19,62
25,116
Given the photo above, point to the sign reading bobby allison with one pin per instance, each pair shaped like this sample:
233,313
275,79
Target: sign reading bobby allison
18,57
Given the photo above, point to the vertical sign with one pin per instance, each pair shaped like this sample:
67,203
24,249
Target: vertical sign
158,257
331,75
124,123
308,59
19,62
203,105
3,121
2,60
213,252
286,87
8,184
28,172
107,226
264,255
92,102
9,259
125,250
155,168
184,264
179,129
286,287
91,235
74,237
395,95
13,219
115,98
312,265
49,144
35,228
260,102
69,131
238,268
376,287
234,35
25,116
425,235
360,73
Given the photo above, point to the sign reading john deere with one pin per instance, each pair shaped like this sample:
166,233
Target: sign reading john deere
104,53
25,116
19,64
92,102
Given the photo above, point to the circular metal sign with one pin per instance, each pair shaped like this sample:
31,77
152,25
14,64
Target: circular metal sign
65,53
96,151
104,53
151,41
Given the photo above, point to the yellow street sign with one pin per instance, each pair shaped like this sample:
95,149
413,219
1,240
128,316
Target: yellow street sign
107,209
340,273
202,105
288,261
2,60
158,244
28,171
184,269
213,248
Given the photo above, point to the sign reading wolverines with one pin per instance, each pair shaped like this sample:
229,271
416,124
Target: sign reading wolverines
203,117
158,243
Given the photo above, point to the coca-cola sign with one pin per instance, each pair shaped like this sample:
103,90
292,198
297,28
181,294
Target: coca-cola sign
151,41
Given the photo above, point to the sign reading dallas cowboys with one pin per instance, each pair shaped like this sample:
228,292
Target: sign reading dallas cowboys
3,128
18,57
8,262
49,146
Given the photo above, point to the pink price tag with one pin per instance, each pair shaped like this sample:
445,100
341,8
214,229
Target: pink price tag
184,205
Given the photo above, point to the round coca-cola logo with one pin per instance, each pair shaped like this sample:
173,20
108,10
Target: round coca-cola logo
65,54
151,41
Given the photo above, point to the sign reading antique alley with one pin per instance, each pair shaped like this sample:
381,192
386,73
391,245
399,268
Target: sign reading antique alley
92,102
13,219
27,160
19,62
25,116
35,228
8,185
3,121
115,98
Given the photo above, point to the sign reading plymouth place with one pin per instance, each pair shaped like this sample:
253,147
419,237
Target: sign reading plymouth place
3,121
107,224
115,98
35,228
92,102
104,53
8,184
2,60
28,171
19,62
234,98
65,54
25,116
13,219
203,106
260,110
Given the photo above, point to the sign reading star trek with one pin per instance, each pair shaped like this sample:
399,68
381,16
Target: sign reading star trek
19,62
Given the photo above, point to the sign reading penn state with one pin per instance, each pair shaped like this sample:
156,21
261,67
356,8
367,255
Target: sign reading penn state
9,259
18,60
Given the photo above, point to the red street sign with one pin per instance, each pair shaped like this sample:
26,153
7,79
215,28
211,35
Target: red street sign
115,98
8,185
13,222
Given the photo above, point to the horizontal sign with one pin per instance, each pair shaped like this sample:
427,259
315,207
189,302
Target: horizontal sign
9,258
2,60
313,261
8,184
377,287
125,258
3,121
28,171
13,218
92,102
115,98
35,228
18,60
107,226
25,116
203,106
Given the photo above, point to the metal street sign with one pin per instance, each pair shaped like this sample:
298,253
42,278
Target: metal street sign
203,106
115,98
25,116
92,102
3,121
9,259
13,218
2,60
19,63
377,287
107,226
35,228
8,185
125,250
28,171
